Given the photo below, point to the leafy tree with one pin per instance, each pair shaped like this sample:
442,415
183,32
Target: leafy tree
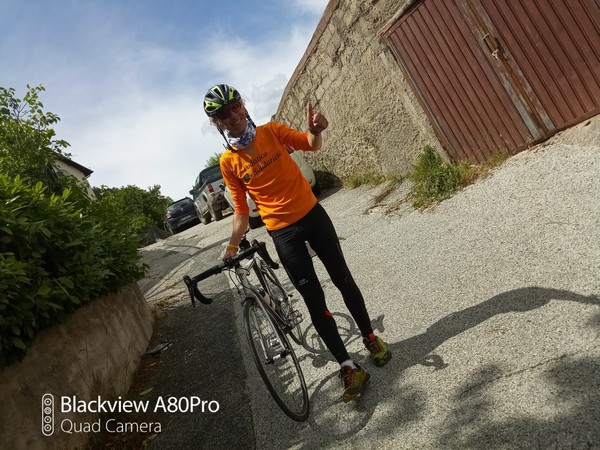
55,257
27,141
29,149
213,160
58,249
141,208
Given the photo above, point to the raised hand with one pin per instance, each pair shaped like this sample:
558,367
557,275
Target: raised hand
316,121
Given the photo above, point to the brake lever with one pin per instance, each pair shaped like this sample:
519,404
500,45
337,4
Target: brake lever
195,294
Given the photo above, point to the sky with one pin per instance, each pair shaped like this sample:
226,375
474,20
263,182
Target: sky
127,77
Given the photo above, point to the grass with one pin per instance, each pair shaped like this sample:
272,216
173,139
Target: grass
393,181
164,303
354,181
435,180
474,172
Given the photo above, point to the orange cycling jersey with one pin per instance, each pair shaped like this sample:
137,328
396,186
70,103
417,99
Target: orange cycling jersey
270,176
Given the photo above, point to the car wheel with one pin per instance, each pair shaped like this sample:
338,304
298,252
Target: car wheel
171,230
218,214
213,213
255,222
205,219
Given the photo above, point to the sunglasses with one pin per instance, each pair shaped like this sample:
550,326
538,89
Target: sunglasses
225,113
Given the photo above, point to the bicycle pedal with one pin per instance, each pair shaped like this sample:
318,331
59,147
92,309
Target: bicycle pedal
295,318
272,342
278,357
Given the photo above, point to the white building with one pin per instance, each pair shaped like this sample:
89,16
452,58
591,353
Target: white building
66,166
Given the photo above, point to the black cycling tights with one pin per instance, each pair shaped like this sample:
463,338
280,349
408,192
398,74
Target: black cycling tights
317,229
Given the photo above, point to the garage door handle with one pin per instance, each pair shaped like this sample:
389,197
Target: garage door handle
493,45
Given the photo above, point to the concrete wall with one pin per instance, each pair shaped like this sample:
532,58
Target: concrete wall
348,73
94,353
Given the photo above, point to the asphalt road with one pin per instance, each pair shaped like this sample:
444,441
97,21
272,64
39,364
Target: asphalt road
489,302
202,359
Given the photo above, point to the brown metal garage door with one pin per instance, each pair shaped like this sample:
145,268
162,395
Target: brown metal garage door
501,75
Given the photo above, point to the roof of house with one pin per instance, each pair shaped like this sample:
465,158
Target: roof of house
86,172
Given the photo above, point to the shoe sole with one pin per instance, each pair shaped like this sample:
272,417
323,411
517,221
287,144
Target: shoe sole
349,397
383,361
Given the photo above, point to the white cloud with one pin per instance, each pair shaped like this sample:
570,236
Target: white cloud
260,73
312,6
149,136
159,143
132,108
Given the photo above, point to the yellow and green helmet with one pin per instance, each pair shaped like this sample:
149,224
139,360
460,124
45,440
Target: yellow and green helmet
218,96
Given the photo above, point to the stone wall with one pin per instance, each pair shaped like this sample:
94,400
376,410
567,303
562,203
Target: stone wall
348,72
94,353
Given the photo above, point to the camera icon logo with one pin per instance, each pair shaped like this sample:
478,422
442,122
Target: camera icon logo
47,414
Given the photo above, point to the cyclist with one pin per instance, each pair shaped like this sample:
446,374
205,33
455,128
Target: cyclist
257,162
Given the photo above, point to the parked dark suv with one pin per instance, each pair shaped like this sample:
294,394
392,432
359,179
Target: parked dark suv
180,214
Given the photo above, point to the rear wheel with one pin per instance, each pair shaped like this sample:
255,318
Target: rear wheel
214,215
218,214
205,219
276,362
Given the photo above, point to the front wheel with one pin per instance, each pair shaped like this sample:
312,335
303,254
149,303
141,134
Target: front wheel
276,362
169,229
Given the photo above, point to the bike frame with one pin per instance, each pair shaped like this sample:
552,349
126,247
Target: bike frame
274,346
249,290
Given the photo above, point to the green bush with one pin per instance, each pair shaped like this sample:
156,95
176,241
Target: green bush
55,255
143,209
433,178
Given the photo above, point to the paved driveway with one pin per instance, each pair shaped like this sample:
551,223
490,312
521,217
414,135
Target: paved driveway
489,302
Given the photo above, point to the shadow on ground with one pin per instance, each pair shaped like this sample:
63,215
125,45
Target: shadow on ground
203,360
474,420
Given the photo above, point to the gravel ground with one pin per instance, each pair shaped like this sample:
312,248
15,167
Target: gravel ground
489,302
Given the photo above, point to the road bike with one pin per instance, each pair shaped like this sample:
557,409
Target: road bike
269,318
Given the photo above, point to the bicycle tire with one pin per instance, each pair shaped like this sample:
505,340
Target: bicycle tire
271,284
283,377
